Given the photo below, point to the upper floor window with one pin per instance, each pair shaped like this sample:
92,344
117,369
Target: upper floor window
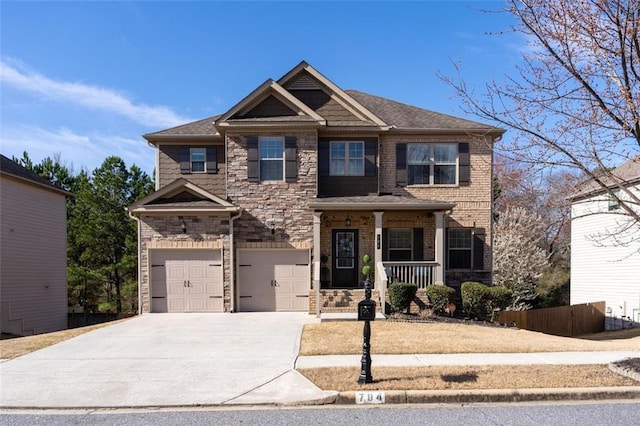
198,159
347,159
432,164
271,158
614,203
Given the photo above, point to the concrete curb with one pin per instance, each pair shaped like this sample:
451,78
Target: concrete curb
500,395
628,372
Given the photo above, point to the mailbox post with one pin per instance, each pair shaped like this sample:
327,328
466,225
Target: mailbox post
366,313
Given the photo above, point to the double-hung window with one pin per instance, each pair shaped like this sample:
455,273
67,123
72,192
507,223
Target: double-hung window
432,164
198,159
347,159
614,204
460,244
271,158
400,244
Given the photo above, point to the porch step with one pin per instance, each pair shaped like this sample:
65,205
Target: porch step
346,316
344,301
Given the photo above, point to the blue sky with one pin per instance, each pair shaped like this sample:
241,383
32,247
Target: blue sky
85,80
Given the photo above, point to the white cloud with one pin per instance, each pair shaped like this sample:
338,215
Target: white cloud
77,151
93,97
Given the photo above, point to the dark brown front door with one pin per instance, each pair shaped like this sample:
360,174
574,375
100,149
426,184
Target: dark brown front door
344,273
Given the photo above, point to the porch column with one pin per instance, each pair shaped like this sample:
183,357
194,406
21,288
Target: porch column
440,252
377,254
316,258
378,258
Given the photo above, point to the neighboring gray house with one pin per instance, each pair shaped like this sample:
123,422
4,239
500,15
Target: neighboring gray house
605,246
33,252
271,205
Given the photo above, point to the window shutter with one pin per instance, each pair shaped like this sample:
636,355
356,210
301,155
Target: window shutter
212,160
290,159
418,244
464,165
323,157
185,160
370,149
401,164
385,244
253,166
478,248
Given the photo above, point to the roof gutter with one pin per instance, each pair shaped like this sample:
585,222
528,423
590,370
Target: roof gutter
345,205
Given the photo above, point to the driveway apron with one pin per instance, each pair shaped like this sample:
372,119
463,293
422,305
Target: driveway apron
165,360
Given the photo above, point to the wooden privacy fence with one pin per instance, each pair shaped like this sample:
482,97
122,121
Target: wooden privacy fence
566,321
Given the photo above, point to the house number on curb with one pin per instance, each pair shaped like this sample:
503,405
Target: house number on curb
369,397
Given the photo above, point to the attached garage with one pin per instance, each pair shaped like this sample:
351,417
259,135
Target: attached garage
273,280
186,280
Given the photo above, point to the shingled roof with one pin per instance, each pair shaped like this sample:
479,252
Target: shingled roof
339,108
202,127
627,173
10,167
404,116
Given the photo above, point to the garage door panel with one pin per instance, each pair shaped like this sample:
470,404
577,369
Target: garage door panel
192,280
274,280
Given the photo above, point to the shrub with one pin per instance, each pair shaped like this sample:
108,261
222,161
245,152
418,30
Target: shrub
440,296
498,298
401,295
474,298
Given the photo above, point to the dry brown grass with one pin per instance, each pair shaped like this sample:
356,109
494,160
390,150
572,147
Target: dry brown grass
18,346
468,377
345,337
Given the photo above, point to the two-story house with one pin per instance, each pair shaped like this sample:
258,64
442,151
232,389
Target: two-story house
605,245
271,205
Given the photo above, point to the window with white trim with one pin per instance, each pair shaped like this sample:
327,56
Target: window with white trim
614,204
271,158
432,164
400,244
198,160
347,159
460,245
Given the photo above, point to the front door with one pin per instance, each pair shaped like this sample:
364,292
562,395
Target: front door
345,258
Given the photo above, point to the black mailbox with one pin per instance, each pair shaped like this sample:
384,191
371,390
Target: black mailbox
366,310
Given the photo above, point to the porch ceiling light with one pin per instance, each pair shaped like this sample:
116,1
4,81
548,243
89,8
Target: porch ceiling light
184,226
347,222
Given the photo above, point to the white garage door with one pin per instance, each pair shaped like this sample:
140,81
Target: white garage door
186,281
273,280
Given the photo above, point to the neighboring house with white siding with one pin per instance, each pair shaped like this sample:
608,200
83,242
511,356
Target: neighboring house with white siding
605,246
33,252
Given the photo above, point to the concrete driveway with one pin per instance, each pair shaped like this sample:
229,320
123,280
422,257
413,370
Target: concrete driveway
167,360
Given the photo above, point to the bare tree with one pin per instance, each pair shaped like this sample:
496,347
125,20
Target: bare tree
574,102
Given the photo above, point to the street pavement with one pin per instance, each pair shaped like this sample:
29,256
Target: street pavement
169,360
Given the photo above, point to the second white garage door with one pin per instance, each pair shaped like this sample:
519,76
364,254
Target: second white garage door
273,280
186,281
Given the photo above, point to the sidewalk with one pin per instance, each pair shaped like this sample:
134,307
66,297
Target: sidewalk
418,360
481,395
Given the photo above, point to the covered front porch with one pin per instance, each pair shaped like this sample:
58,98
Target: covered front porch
405,238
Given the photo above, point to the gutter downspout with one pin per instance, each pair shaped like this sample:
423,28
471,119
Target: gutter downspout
139,263
232,275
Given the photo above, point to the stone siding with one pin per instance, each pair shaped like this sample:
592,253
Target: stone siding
273,211
165,232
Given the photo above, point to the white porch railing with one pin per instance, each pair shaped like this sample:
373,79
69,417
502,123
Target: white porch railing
420,273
